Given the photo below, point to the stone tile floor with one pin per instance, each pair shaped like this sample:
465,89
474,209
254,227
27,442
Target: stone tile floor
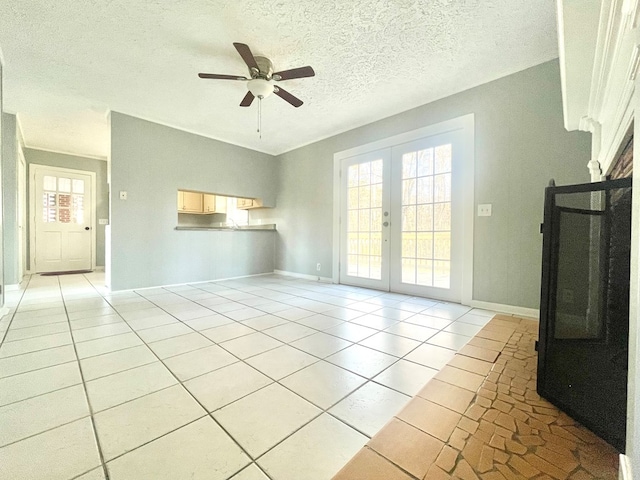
481,418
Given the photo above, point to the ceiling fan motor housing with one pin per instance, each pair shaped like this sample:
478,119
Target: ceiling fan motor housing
265,68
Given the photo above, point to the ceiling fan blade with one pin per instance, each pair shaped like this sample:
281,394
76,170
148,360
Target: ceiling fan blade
283,94
294,73
222,77
246,101
247,56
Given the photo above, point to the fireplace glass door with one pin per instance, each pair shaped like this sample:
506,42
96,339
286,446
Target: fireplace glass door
584,309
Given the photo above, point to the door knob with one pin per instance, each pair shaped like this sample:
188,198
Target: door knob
386,224
86,228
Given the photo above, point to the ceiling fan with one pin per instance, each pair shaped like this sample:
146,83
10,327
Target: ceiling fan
261,77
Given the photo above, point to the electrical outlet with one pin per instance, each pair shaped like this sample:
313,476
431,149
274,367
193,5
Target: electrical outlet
484,210
103,221
318,267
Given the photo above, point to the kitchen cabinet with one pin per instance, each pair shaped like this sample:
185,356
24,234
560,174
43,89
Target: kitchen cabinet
203,203
248,203
189,202
214,203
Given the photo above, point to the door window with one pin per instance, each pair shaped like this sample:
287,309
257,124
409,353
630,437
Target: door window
364,220
426,217
63,200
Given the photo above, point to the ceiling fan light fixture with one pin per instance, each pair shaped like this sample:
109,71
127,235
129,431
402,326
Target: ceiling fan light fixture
260,88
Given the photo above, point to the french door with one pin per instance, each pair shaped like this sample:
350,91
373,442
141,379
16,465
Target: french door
401,219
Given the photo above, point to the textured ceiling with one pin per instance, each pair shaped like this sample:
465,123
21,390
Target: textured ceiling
67,62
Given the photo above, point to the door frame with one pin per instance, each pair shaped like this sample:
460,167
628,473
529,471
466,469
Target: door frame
32,208
465,126
22,214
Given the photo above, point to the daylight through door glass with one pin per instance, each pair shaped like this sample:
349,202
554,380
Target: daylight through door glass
364,220
426,217
58,204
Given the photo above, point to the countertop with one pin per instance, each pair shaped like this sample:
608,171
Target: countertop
263,227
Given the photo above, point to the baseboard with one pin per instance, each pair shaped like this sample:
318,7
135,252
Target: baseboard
624,471
303,276
12,288
496,307
191,283
501,308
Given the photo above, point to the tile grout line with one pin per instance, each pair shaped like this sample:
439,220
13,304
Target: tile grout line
13,315
290,321
86,394
207,413
323,410
302,368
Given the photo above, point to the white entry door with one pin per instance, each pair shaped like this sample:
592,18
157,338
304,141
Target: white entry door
401,219
62,206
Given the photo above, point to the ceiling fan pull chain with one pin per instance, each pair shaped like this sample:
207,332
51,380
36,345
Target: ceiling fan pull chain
260,116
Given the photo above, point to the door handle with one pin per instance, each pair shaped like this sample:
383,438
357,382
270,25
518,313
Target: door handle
386,224
86,228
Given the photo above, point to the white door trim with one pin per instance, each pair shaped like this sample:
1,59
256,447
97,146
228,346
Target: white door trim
22,214
32,208
466,125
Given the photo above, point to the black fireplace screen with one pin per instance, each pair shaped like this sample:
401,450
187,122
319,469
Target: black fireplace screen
584,305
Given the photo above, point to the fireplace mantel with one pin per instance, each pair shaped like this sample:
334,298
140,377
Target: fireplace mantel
599,57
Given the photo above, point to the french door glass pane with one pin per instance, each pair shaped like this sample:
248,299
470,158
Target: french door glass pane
364,220
426,217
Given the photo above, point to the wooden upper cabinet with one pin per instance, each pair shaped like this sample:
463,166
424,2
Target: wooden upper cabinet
205,203
214,203
190,202
248,203
244,202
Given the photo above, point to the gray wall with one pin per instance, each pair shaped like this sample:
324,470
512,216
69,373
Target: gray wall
42,157
520,144
10,199
1,157
151,163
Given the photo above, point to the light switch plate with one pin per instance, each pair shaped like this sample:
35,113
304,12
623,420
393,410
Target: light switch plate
123,195
484,210
103,221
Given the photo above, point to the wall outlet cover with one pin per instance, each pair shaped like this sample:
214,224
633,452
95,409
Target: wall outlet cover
484,210
123,195
103,221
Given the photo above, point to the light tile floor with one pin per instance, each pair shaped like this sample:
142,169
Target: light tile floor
241,379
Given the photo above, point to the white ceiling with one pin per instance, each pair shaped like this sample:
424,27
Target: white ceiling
67,63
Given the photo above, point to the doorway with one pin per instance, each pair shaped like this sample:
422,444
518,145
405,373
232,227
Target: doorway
63,221
406,214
